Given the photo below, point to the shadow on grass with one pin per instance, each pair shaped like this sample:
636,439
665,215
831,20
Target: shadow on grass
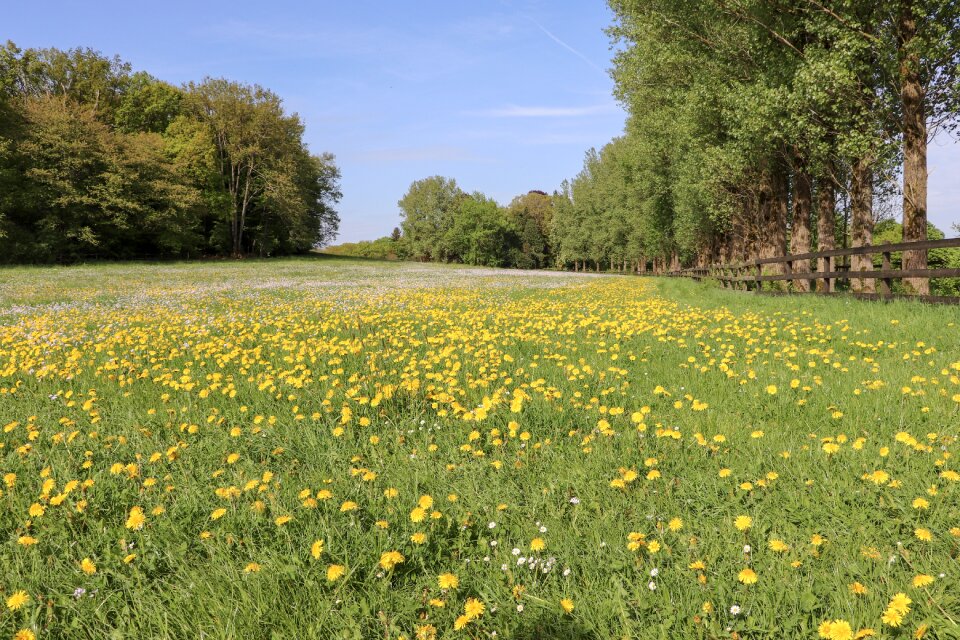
546,626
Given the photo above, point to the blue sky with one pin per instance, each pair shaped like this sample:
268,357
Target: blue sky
503,95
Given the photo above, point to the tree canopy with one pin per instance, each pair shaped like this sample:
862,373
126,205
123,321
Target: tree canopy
100,162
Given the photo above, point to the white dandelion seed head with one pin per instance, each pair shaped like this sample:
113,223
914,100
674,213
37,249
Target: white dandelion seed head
652,586
654,572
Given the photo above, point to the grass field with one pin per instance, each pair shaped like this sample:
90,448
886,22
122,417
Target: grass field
326,448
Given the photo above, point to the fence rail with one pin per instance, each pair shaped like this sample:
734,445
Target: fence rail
826,270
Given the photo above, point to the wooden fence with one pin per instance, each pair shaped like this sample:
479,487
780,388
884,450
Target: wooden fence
829,267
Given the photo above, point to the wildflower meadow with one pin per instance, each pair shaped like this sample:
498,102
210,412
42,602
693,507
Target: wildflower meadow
326,448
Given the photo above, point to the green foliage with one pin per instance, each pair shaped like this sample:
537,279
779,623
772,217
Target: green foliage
99,162
385,248
442,223
731,104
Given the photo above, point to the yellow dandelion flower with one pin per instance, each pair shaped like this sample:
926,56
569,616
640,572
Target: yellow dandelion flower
448,581
473,608
17,599
390,559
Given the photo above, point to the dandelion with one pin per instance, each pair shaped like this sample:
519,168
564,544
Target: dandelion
922,580
448,581
335,572
390,559
136,519
88,567
742,523
316,549
747,576
779,546
17,599
567,605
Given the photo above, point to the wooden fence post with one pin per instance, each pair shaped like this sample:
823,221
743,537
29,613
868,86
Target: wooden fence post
886,284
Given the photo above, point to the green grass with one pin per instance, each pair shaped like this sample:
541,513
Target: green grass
170,368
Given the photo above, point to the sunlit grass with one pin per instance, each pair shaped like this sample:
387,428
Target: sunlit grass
332,448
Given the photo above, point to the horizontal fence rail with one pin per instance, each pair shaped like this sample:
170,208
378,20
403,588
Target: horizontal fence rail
826,270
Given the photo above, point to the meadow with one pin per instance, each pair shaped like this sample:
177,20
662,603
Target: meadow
328,448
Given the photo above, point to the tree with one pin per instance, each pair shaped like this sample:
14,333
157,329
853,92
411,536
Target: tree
147,105
428,210
97,161
480,233
532,215
252,137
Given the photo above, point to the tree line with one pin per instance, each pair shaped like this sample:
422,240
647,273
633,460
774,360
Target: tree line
98,161
756,128
443,223
759,128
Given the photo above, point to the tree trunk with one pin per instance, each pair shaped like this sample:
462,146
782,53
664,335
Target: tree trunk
826,222
914,149
800,232
773,215
861,221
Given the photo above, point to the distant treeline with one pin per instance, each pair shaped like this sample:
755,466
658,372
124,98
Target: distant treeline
100,162
443,223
